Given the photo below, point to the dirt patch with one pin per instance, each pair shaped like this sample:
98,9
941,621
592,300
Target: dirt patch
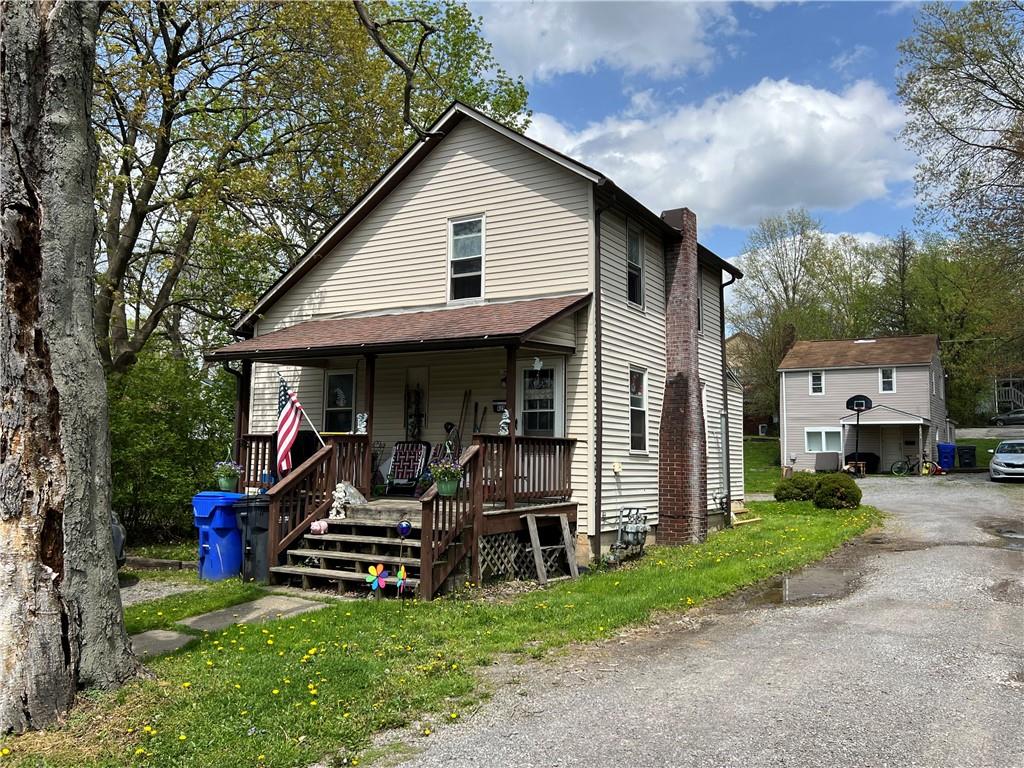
1009,532
1008,591
135,590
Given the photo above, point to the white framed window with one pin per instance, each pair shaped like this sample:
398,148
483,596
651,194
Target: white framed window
634,266
637,409
887,380
339,401
823,440
816,382
466,258
540,398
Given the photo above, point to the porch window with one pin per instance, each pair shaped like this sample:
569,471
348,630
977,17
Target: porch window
817,382
886,379
339,401
635,266
637,409
823,440
466,257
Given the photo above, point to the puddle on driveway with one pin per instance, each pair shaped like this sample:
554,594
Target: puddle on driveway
1008,591
814,584
1011,532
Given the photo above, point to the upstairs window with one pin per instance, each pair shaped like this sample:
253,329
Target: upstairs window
817,382
887,380
634,266
637,409
466,256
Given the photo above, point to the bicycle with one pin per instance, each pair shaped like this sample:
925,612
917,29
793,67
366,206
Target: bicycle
912,466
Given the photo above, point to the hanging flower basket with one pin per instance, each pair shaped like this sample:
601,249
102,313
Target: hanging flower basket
227,473
446,474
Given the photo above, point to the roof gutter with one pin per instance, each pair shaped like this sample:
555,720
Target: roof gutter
726,470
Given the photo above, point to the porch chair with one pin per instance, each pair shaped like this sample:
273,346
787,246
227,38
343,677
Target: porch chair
407,464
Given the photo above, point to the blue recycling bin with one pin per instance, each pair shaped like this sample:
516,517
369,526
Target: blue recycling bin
947,455
220,540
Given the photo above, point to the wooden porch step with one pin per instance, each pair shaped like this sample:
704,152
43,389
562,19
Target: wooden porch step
333,574
416,524
358,538
327,554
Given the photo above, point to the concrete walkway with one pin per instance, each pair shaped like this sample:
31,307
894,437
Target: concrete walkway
903,649
156,642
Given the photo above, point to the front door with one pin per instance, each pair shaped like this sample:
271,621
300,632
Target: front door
540,398
892,447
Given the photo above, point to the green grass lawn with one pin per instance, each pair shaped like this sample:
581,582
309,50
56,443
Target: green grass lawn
761,468
287,692
182,550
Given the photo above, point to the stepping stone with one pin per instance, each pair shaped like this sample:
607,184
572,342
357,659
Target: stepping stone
262,609
157,642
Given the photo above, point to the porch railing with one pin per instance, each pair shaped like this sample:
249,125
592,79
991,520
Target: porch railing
302,497
352,460
542,468
257,455
451,525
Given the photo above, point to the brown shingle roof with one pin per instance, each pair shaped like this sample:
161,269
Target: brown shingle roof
481,325
853,353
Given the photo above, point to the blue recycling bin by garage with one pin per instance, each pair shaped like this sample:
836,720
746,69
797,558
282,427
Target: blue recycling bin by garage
947,455
220,540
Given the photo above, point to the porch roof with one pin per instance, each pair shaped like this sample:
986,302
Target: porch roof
483,325
883,414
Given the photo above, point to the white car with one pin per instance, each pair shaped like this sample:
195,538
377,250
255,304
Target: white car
1007,460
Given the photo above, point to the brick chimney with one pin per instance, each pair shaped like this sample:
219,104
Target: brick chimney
682,456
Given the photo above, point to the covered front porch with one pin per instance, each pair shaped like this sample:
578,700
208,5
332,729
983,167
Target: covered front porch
889,434
412,391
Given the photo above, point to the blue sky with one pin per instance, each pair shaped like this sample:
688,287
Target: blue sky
737,111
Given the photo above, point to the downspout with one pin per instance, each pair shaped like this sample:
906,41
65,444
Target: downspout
727,519
598,407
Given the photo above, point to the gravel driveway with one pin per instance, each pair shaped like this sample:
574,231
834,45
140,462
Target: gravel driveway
916,659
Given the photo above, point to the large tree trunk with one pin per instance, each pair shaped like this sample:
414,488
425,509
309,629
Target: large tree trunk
61,623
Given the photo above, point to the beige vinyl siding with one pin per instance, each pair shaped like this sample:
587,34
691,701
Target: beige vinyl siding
536,234
579,416
709,345
561,332
801,410
630,337
937,410
734,393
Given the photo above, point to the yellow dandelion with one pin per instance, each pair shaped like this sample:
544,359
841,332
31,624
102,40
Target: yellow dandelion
182,737
186,685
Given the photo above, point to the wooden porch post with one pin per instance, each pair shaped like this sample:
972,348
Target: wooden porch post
242,393
510,402
367,471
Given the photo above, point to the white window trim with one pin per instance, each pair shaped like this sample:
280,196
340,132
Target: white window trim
881,389
823,430
630,227
556,363
647,412
355,396
483,258
810,383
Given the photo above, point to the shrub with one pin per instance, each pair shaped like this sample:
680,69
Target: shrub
837,491
800,487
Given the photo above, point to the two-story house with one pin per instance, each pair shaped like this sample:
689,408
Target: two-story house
902,377
485,271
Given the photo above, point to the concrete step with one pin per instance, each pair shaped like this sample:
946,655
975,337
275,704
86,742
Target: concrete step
359,557
358,538
332,574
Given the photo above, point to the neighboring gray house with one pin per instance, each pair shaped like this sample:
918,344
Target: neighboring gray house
903,378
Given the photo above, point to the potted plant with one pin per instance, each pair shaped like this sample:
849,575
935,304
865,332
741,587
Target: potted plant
227,473
446,474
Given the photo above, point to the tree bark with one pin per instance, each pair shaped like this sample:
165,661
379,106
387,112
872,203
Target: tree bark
61,624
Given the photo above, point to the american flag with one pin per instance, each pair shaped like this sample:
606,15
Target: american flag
289,413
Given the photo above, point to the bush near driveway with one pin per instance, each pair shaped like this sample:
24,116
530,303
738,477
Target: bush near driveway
837,491
800,487
287,692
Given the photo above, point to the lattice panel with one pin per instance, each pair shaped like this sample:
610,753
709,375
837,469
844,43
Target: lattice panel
501,556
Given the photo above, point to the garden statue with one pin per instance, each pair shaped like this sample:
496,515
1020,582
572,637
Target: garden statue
345,495
361,422
505,423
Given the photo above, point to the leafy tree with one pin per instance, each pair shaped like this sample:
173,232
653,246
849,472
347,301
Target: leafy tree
170,421
232,134
962,82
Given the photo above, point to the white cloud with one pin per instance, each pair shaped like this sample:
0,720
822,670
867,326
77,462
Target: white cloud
541,39
847,61
738,157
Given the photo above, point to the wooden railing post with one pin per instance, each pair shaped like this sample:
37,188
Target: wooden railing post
477,504
427,549
510,447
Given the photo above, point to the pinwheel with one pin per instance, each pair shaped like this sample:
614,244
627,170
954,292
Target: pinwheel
377,577
400,578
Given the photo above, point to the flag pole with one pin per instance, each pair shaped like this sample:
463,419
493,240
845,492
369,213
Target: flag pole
302,410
